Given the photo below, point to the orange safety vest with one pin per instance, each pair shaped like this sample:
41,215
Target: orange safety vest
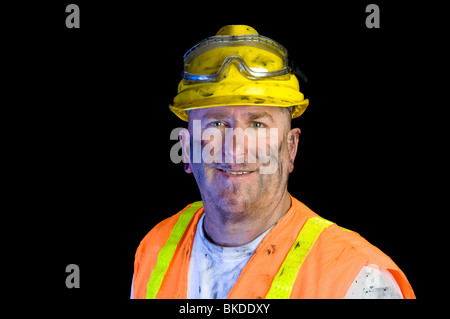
328,269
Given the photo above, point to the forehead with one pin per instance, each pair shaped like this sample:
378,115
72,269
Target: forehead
273,114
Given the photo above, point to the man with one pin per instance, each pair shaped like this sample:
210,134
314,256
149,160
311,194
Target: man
249,238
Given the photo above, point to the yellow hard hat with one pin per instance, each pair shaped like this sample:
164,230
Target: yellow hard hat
237,67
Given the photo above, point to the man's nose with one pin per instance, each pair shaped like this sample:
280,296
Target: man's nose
235,145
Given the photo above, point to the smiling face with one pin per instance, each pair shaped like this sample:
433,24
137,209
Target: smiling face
251,166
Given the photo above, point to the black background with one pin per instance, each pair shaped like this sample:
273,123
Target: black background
96,159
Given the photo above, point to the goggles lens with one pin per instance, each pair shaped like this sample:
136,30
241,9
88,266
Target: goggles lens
256,57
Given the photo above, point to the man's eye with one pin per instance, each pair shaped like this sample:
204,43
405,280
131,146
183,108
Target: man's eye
217,124
257,125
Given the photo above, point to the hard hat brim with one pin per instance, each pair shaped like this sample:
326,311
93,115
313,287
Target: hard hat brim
298,107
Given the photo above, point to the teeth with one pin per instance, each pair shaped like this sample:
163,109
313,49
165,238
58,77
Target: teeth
237,173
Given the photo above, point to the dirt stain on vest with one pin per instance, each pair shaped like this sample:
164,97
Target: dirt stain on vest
271,250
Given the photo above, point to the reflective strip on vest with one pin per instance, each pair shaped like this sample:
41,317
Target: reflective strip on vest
283,282
166,253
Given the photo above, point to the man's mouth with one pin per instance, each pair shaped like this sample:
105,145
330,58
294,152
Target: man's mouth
232,172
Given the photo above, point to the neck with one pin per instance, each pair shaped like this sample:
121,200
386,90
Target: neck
228,229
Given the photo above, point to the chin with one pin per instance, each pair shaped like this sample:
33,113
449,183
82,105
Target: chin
232,204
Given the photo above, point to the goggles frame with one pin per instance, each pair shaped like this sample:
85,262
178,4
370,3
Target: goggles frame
214,42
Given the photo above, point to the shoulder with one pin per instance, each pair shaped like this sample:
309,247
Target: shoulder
147,253
339,246
346,253
374,283
353,244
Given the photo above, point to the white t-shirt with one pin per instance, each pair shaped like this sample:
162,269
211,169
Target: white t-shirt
213,271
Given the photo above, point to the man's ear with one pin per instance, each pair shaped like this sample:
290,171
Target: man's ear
185,140
292,140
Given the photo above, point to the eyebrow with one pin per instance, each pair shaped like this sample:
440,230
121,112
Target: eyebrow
259,115
215,115
250,115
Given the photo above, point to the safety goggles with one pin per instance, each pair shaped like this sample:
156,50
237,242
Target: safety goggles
256,57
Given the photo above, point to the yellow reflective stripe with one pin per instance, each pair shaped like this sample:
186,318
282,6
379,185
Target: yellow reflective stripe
166,253
345,229
283,282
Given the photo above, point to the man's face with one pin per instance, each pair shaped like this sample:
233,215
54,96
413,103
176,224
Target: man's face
247,153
